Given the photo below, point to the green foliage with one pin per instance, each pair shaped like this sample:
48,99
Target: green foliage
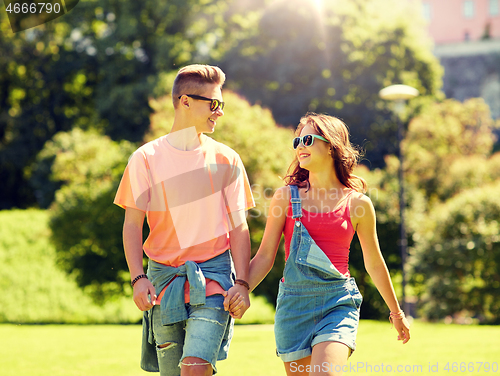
86,227
93,68
453,222
34,289
456,259
334,58
447,148
43,91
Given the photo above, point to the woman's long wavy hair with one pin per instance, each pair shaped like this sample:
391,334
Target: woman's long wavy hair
345,157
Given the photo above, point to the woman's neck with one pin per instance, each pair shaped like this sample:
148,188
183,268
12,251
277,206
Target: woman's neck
326,180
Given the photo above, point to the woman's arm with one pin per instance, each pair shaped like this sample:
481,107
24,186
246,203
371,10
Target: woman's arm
263,261
364,221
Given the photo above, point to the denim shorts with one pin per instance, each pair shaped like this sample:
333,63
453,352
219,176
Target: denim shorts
308,315
206,334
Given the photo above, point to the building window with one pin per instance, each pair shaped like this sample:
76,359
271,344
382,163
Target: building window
426,11
469,8
494,8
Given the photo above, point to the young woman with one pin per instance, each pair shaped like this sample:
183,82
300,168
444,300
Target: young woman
318,211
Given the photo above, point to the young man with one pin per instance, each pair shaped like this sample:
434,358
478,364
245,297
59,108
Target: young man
194,192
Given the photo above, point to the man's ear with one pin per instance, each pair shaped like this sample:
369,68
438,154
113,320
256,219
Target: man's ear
184,101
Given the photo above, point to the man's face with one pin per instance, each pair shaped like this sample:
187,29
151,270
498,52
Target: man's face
202,117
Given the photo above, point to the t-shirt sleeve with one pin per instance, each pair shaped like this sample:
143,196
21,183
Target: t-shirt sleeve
134,189
239,193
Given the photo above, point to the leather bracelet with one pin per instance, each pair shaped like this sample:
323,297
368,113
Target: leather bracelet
243,283
138,278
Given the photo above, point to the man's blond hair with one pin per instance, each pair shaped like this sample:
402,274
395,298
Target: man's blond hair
192,78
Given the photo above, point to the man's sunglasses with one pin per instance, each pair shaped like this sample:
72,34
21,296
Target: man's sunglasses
215,104
307,140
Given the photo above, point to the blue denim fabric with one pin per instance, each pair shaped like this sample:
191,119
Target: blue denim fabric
316,303
205,335
172,307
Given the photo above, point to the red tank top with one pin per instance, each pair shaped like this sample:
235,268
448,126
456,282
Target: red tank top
332,232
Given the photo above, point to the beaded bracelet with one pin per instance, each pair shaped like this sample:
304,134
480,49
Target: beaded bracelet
138,278
398,316
243,283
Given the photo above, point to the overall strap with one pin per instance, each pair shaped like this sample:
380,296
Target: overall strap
295,201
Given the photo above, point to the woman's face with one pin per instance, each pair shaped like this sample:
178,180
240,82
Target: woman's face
315,157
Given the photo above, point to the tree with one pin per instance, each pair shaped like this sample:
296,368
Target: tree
335,59
94,68
42,91
447,148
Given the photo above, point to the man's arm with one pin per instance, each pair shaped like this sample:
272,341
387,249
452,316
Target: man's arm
144,292
239,239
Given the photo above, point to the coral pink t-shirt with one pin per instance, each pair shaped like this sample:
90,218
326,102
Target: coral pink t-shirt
186,196
332,232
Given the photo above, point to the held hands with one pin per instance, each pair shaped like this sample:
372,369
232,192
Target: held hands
402,326
144,294
236,301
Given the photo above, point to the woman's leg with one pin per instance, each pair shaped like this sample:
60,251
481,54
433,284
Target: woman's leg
328,358
298,367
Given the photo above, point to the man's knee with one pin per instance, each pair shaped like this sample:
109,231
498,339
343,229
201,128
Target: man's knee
168,344
191,366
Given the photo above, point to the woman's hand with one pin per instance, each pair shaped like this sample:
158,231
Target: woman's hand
403,328
236,303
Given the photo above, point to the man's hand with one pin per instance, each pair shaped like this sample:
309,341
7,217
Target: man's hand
236,301
144,294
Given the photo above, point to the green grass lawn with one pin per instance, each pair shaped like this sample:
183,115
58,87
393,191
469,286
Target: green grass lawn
109,350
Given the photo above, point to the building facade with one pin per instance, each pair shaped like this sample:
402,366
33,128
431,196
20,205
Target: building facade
466,34
452,21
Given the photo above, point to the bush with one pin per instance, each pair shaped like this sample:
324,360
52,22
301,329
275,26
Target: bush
34,289
456,259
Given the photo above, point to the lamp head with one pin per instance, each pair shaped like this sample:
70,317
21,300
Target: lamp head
398,92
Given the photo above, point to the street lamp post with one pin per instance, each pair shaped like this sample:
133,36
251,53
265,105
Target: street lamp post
398,94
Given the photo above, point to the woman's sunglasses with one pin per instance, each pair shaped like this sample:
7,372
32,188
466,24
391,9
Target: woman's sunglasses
307,140
215,104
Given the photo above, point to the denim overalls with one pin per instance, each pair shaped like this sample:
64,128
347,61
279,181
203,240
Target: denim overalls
315,302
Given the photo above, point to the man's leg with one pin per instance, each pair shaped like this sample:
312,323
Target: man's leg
169,344
205,329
